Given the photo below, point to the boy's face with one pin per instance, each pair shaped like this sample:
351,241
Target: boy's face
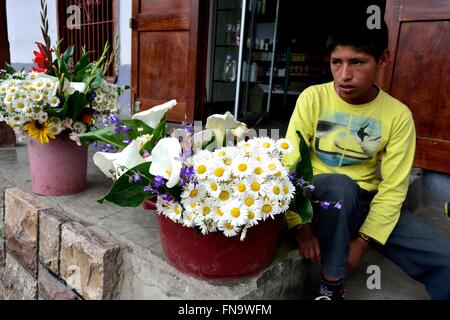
354,73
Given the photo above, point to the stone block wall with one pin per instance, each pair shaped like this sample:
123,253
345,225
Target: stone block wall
46,255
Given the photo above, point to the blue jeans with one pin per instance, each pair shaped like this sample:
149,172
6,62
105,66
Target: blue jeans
413,245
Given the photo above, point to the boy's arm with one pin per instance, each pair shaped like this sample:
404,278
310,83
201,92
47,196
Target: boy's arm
301,120
395,169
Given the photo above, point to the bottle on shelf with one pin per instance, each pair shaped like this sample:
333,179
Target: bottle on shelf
237,38
229,69
253,72
229,34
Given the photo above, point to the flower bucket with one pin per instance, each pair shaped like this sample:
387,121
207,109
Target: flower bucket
57,168
214,256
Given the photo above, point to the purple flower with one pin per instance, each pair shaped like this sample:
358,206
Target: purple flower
150,189
292,176
126,140
159,182
325,204
338,205
95,145
125,129
108,148
167,197
114,120
137,177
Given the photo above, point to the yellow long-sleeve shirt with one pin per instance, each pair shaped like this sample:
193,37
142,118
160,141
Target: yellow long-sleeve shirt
348,139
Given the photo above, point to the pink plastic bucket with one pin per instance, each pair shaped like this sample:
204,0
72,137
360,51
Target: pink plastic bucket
57,168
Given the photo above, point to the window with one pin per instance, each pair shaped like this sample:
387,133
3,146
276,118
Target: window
97,20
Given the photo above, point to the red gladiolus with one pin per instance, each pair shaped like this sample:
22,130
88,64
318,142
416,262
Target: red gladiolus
40,59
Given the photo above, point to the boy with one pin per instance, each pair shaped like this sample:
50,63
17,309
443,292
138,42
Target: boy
348,125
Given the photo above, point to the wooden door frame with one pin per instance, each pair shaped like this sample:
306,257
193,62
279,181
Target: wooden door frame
5,55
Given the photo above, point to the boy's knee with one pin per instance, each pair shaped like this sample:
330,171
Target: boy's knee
335,187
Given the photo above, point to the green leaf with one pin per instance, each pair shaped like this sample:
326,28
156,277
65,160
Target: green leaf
9,69
304,167
158,134
107,135
126,194
304,208
68,53
61,112
77,102
98,79
81,67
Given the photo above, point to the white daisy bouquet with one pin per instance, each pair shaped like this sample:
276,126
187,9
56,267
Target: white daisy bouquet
60,96
215,180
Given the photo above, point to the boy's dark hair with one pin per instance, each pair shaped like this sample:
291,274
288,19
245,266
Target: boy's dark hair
359,36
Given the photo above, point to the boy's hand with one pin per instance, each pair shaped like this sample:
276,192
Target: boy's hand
308,245
357,248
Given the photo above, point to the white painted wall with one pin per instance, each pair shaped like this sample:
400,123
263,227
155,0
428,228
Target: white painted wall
24,23
125,31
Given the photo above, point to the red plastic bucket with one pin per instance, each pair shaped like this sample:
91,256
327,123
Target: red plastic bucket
57,168
214,256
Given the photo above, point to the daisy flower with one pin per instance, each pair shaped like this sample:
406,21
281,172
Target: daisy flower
54,102
37,97
282,172
251,202
78,127
217,214
20,105
235,212
228,229
212,188
256,185
284,204
247,147
201,165
218,171
191,207
225,193
188,219
193,192
284,146
269,208
253,217
288,189
9,99
242,167
54,129
174,212
266,144
206,209
274,190
273,166
42,117
240,187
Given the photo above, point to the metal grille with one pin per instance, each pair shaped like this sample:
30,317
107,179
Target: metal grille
97,25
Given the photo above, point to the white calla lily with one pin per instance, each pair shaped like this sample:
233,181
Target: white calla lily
166,161
153,116
202,137
115,164
221,123
104,161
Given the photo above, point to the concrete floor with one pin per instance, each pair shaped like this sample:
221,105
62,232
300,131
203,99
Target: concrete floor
395,284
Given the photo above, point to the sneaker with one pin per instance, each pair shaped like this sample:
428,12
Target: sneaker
332,290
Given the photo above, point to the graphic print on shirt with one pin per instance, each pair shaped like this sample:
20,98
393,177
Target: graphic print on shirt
344,139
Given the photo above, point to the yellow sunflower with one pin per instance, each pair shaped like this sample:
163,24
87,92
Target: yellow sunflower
39,131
